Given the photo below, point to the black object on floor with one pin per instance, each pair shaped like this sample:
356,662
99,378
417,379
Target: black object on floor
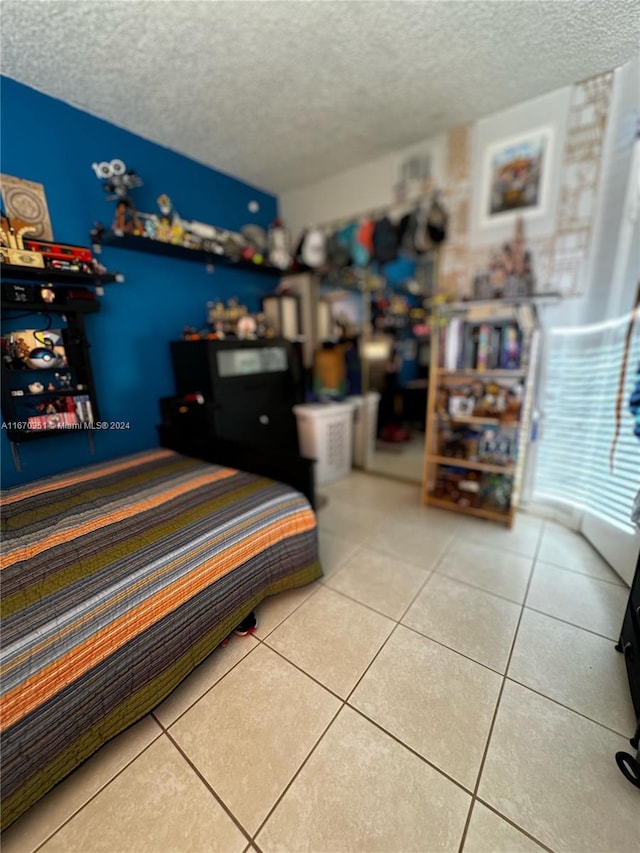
247,626
629,645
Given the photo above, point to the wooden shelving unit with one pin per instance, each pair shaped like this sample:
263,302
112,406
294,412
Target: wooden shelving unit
455,462
443,486
490,515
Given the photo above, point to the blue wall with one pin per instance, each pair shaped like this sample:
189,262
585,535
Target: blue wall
48,141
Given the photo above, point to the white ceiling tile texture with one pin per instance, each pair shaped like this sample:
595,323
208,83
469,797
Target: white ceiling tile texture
282,94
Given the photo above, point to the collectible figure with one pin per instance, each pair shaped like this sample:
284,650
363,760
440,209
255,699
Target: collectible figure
279,246
118,181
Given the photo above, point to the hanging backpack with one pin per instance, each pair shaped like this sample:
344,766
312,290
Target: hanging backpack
338,250
313,251
362,245
385,241
437,220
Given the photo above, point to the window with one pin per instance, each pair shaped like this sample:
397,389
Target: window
579,405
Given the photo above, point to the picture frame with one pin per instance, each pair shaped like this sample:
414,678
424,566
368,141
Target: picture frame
516,177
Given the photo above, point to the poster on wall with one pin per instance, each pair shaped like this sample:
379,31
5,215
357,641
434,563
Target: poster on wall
516,177
26,200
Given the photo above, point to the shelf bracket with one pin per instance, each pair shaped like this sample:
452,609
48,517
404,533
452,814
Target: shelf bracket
15,453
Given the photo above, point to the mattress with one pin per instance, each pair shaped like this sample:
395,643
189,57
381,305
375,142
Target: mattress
117,580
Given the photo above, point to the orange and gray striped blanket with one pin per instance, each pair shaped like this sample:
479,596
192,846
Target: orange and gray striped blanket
117,580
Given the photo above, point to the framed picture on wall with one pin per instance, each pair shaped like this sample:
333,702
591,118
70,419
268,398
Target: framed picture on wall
516,175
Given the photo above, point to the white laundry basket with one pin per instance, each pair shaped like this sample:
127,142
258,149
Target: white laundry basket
325,433
365,428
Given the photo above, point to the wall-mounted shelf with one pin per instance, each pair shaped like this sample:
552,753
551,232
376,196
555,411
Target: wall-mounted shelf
171,250
13,272
57,391
72,306
68,408
549,298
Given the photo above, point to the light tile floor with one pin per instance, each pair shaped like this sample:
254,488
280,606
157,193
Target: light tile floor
448,685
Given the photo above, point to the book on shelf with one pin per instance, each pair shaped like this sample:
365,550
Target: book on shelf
482,346
83,408
453,343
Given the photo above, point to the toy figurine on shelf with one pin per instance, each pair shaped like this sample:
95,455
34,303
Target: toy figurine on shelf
190,333
279,246
246,328
509,273
12,233
168,223
224,320
118,181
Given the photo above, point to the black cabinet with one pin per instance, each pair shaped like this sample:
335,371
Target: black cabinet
248,389
234,406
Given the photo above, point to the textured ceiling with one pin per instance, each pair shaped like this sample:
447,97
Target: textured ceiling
282,94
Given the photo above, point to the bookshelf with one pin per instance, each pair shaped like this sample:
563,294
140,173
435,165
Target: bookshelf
479,407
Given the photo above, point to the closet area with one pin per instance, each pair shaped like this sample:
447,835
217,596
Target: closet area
365,293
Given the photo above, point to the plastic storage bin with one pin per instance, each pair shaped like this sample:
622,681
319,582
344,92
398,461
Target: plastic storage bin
325,433
365,427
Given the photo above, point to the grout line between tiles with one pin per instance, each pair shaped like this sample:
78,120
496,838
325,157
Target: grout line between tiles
96,793
362,603
619,582
452,649
202,695
343,703
295,776
297,607
567,707
389,553
300,669
371,662
208,786
500,692
409,748
511,823
482,588
397,623
613,640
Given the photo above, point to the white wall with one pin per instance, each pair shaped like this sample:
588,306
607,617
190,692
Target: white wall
371,185
615,261
358,190
548,110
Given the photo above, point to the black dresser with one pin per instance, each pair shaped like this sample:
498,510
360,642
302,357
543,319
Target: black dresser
249,388
629,645
234,406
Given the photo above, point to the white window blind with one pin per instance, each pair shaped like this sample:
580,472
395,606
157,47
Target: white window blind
578,404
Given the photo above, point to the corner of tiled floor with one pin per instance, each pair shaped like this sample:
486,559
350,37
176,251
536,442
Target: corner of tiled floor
448,685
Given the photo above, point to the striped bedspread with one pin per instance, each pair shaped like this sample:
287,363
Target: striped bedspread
117,580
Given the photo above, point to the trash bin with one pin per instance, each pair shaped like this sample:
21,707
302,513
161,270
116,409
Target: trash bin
325,433
365,427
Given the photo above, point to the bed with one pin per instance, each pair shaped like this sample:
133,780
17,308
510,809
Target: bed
117,580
